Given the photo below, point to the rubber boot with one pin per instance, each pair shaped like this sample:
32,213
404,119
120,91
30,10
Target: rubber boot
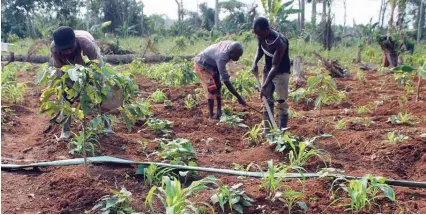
107,127
65,132
211,106
283,121
266,121
219,107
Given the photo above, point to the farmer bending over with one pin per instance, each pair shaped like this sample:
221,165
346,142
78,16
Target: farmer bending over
67,48
210,66
276,72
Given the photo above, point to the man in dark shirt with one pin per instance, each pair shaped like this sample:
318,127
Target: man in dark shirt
276,72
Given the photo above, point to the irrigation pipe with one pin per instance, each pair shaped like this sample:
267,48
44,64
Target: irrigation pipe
113,160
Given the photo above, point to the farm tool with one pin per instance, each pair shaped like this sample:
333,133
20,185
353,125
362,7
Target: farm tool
265,101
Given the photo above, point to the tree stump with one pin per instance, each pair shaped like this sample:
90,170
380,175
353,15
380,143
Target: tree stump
298,72
390,51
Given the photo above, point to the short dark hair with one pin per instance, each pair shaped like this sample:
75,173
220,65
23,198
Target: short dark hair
260,23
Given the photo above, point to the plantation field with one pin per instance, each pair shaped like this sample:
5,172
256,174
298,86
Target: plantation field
361,145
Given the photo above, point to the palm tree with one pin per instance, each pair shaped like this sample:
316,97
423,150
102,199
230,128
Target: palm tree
313,18
420,22
216,15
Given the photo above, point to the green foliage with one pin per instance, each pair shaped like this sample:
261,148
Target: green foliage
340,125
393,137
402,119
153,174
159,126
290,198
12,38
178,150
363,109
177,73
271,180
118,203
281,139
234,197
254,135
133,112
365,191
81,141
190,102
138,66
300,155
158,96
326,88
11,89
244,83
231,120
174,198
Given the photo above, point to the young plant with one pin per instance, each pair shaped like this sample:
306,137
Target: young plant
133,112
360,76
393,137
153,174
365,191
159,126
367,122
118,203
270,183
299,156
80,147
175,198
290,198
234,197
326,89
138,66
281,139
340,125
90,85
190,102
231,120
168,103
178,150
11,89
402,119
254,135
158,97
402,100
376,104
363,109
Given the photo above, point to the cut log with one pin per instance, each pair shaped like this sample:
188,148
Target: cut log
366,67
111,59
298,72
333,66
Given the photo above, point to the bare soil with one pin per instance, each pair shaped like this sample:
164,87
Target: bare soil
358,151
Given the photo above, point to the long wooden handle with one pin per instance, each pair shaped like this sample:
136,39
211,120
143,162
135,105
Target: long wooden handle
265,101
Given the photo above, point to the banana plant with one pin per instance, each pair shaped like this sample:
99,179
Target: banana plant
277,12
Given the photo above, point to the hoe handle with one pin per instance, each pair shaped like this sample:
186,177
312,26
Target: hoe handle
265,101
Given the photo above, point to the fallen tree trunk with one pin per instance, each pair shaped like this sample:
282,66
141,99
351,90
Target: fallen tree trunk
111,59
365,66
298,72
335,69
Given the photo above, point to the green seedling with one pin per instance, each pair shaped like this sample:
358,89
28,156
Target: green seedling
118,203
230,120
365,191
254,135
153,174
363,109
159,126
168,103
299,156
175,199
178,150
393,137
158,97
234,197
290,198
190,102
402,119
340,125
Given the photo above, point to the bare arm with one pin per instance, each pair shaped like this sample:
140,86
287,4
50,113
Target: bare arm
257,57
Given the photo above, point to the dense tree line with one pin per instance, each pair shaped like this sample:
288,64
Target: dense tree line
38,18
